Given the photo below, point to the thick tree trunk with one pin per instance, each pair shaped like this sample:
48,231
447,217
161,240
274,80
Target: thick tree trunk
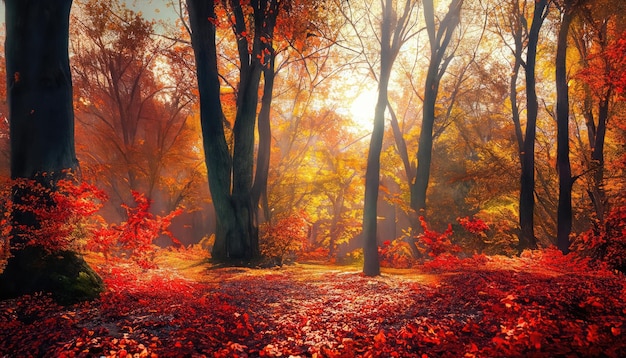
217,156
41,114
237,207
39,87
527,238
564,213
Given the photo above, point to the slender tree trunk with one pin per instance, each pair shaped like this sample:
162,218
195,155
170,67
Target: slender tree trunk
409,170
595,133
597,158
425,146
564,213
259,189
439,40
334,225
39,89
371,264
527,238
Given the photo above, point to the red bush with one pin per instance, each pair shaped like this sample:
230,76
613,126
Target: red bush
287,236
437,243
59,215
135,236
606,242
396,253
474,225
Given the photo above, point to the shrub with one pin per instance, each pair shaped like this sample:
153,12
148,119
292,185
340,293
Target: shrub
60,216
287,236
397,253
436,243
606,242
136,235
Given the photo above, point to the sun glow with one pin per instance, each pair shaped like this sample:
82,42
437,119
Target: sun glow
362,109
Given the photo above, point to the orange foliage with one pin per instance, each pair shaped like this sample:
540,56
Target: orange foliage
287,236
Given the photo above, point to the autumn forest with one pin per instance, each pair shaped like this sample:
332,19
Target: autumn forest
325,178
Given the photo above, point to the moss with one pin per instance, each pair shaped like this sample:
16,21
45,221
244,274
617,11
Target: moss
66,275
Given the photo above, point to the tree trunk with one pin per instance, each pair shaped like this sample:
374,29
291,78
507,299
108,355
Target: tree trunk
527,238
371,263
409,170
236,238
597,158
564,213
259,188
439,40
39,89
217,156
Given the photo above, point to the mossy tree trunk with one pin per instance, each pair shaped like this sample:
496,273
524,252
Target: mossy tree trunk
39,91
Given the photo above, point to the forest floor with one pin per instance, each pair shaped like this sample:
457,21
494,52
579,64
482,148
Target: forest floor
539,305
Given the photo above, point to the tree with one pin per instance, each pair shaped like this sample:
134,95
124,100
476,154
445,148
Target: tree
393,34
527,239
237,227
594,32
253,27
39,90
217,157
133,98
439,39
564,214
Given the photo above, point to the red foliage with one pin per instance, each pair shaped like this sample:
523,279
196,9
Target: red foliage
607,68
396,253
136,235
319,254
60,214
475,225
539,305
288,235
606,242
437,243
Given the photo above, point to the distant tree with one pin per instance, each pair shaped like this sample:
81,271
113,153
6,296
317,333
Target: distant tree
39,89
594,34
133,107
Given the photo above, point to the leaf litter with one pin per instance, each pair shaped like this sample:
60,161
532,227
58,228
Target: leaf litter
491,307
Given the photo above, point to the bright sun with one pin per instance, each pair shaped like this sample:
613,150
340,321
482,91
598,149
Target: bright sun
362,109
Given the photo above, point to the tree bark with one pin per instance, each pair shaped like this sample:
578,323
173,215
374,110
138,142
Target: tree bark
39,87
259,188
217,155
439,40
39,91
236,239
527,239
371,263
564,213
